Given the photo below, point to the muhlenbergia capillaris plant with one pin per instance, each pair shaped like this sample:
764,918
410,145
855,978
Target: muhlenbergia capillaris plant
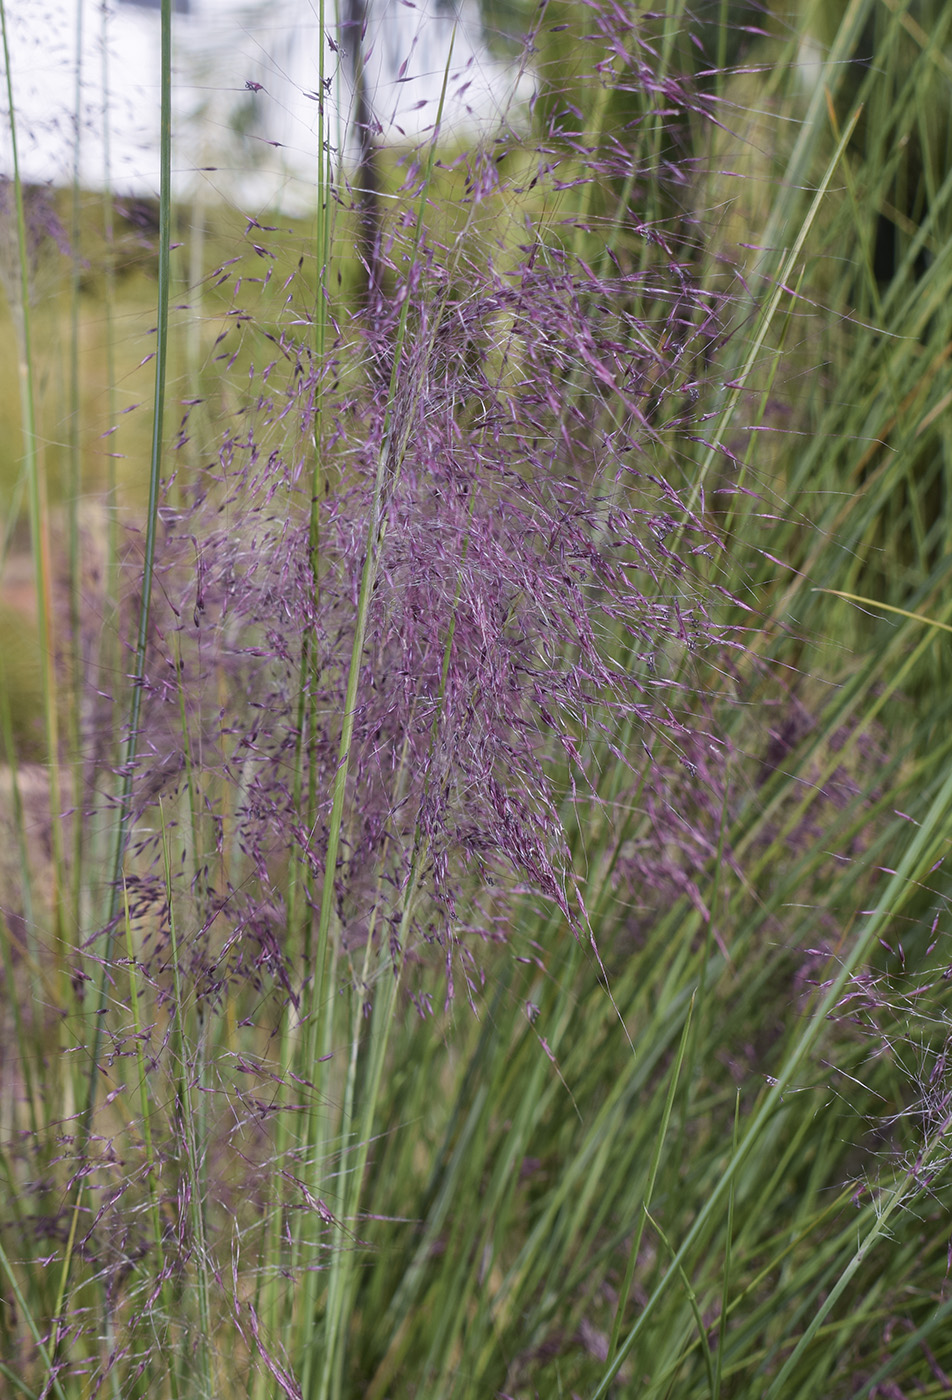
476,907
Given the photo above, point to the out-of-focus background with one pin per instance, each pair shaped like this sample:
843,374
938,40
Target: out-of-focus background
245,79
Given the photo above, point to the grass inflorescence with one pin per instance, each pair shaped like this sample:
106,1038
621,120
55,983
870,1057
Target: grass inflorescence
473,905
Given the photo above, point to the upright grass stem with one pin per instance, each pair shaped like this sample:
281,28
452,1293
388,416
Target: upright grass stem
389,463
152,1165
38,512
299,900
73,496
191,1124
130,745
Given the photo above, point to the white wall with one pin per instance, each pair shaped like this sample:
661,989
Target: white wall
220,47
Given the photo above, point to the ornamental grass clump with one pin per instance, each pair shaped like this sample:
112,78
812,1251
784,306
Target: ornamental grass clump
479,928
527,625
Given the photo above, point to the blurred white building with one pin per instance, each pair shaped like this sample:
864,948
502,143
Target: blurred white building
86,88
